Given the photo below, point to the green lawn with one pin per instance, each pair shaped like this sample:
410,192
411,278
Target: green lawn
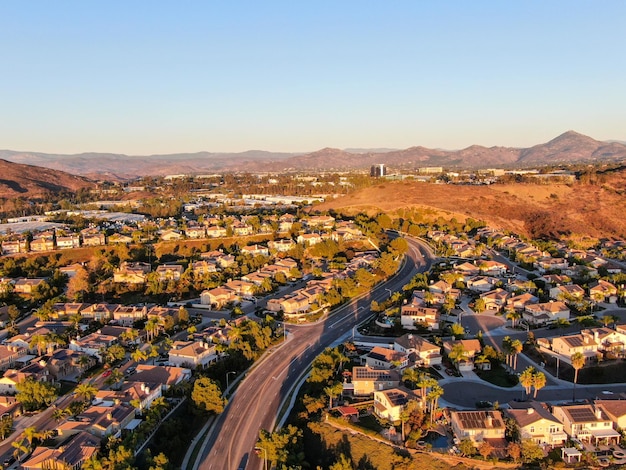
498,376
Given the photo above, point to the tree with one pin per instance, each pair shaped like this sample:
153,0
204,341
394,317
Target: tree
114,353
343,463
20,449
411,376
85,391
457,354
527,379
6,425
207,396
485,449
514,451
34,395
480,305
516,348
282,446
457,330
539,381
578,362
332,391
513,315
530,451
138,355
78,285
467,448
159,462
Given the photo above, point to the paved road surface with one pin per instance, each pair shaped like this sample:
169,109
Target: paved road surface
255,404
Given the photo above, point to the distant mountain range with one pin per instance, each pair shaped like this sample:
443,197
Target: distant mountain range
570,147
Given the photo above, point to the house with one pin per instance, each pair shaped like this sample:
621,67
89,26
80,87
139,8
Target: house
93,237
120,238
195,232
9,354
384,358
493,268
587,423
27,286
218,297
414,314
161,376
170,235
366,380
482,283
71,270
132,273
467,270
471,348
548,263
215,231
603,291
202,267
567,292
420,351
281,246
99,312
477,426
167,272
127,315
615,410
137,394
93,344
241,287
536,423
309,239
520,301
296,303
11,247
67,242
254,250
571,344
542,313
42,242
71,455
102,419
192,354
63,363
495,299
389,404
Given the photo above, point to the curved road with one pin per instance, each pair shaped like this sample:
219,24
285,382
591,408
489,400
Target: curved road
254,405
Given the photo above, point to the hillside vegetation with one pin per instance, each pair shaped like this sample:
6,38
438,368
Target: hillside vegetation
593,208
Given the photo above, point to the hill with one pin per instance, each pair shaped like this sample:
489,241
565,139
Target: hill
539,211
570,147
34,182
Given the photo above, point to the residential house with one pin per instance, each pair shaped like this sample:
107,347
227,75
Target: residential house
99,312
536,423
242,288
203,267
389,404
366,380
120,238
254,250
603,291
478,426
11,247
542,313
615,410
127,315
420,351
9,354
68,242
568,345
72,455
93,237
482,283
218,297
495,299
138,394
493,268
294,304
93,344
567,292
167,272
282,245
309,239
71,270
549,263
27,286
215,231
171,235
192,354
162,376
467,270
587,423
196,231
471,348
520,301
132,273
107,419
414,315
384,358
42,242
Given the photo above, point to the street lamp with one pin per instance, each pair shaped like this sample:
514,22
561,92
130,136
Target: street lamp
264,455
390,291
284,332
227,374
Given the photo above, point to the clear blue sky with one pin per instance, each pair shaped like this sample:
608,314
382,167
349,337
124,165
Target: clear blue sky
147,77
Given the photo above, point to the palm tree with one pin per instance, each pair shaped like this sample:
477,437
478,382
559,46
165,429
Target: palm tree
539,381
39,342
513,315
526,379
138,355
436,391
411,375
113,379
457,354
85,391
332,391
20,449
578,362
516,348
507,349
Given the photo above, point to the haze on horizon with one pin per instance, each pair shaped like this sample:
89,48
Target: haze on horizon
156,77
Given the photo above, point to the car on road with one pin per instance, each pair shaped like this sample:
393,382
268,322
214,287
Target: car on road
450,372
484,404
437,366
107,373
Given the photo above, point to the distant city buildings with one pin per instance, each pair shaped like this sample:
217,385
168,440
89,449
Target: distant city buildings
378,170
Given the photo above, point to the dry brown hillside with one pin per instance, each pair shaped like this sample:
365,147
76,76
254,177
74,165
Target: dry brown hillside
550,211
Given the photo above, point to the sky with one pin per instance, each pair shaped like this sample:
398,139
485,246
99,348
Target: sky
154,77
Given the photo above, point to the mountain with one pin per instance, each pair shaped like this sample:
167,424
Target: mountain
34,182
570,147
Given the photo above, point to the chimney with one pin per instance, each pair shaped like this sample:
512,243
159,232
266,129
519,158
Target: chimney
489,421
598,413
530,411
110,416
